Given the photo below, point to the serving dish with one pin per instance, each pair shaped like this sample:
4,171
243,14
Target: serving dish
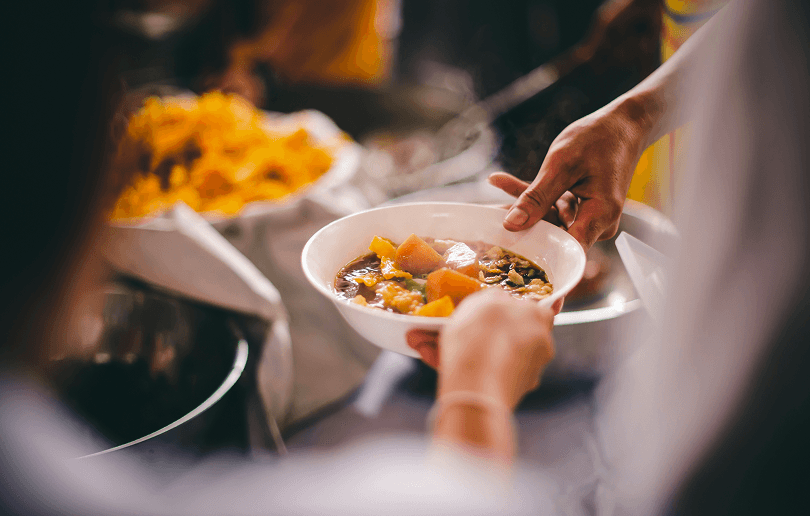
593,332
340,242
225,158
347,155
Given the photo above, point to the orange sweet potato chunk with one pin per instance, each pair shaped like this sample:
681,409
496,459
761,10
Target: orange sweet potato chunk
447,282
440,308
417,257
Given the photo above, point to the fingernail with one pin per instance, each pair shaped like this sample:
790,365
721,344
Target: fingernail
516,216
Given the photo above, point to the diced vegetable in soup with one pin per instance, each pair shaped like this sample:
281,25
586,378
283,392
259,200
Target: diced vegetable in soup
429,277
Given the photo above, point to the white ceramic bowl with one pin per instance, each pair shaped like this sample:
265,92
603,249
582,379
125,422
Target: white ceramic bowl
340,242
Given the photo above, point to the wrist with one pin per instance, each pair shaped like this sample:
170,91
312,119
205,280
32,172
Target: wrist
474,380
644,112
475,422
472,399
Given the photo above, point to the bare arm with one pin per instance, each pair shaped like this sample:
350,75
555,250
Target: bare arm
656,103
587,171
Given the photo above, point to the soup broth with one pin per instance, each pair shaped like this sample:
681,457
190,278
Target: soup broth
430,277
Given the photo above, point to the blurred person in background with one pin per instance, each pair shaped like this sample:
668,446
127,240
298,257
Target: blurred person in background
329,43
252,47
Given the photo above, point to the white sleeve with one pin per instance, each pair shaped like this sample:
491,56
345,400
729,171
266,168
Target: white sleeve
744,223
392,475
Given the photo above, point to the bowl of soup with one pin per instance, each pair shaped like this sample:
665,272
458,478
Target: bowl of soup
396,268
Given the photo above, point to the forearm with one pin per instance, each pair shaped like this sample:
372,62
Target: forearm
657,104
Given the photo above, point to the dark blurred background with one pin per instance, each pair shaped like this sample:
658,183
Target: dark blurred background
450,52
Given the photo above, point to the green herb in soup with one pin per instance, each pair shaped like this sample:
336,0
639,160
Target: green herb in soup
429,277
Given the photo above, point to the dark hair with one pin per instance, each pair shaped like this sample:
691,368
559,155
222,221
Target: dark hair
62,91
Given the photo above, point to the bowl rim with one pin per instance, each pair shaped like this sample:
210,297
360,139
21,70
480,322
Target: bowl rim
422,320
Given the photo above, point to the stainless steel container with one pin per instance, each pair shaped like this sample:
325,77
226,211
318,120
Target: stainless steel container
589,334
158,372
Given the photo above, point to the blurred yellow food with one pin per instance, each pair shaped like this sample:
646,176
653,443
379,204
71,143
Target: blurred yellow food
214,154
